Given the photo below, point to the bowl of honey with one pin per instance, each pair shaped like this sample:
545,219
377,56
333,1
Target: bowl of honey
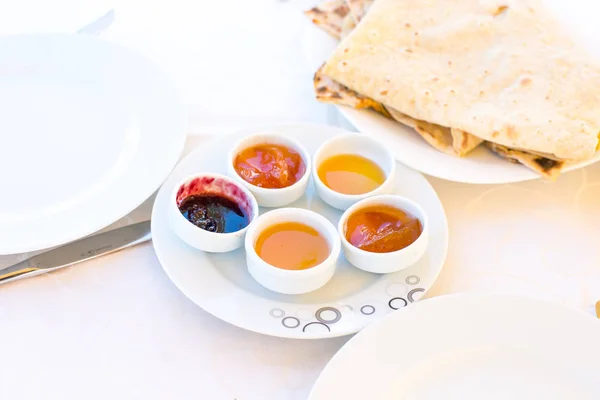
211,212
352,167
275,168
292,250
384,234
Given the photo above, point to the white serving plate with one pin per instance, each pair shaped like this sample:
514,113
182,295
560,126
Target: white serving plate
463,347
480,166
89,130
221,284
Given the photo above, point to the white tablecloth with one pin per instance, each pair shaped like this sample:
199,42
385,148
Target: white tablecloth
116,327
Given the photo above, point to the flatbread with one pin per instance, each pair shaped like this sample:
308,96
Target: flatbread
441,138
437,136
504,71
328,91
546,167
449,141
463,142
358,8
329,16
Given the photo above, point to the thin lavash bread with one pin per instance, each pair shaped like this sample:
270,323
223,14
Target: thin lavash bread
502,70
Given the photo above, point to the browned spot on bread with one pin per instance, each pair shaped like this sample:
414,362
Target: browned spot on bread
547,164
511,132
495,134
346,50
407,25
344,63
383,92
342,11
526,81
500,10
321,89
408,50
316,10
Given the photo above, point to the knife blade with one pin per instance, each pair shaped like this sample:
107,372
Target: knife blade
77,251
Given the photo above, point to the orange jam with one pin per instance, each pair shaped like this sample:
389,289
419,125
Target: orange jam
292,245
270,166
350,174
382,229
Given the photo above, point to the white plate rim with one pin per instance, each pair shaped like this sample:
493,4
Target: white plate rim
176,139
394,319
317,43
269,332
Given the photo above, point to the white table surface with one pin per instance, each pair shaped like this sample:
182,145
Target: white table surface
116,327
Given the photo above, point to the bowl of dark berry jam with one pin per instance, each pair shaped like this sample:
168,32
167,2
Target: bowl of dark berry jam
211,212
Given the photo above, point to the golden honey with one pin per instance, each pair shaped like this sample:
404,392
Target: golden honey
350,174
292,246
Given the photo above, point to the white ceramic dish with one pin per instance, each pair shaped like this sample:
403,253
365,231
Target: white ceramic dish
361,145
469,347
221,284
272,197
215,184
385,263
89,130
286,281
481,166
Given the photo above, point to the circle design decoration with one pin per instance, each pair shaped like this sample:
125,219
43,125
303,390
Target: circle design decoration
322,316
367,309
413,279
277,313
290,322
397,303
316,324
412,293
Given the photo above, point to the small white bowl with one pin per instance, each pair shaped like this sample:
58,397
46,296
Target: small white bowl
214,184
288,281
361,145
384,263
272,197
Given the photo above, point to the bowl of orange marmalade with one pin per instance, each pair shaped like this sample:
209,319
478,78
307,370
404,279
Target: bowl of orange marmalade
292,250
384,234
275,168
352,167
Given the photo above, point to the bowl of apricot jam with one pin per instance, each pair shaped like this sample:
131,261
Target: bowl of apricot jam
212,212
275,168
384,234
352,167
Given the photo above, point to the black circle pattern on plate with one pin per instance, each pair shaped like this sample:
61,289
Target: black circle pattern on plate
277,313
397,306
316,323
290,322
367,309
412,292
412,279
338,315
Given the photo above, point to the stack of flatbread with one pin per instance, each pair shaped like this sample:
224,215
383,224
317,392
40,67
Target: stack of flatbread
465,73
